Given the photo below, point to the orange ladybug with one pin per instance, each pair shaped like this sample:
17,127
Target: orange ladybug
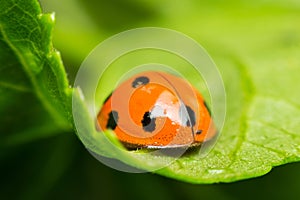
157,110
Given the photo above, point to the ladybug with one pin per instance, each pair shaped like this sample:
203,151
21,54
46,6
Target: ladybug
155,110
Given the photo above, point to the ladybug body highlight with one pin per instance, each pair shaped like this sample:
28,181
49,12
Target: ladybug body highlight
157,110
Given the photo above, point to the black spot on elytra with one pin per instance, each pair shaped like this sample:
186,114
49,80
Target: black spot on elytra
148,122
187,115
208,109
142,80
113,118
198,132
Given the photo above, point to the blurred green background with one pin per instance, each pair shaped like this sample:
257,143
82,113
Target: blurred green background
59,167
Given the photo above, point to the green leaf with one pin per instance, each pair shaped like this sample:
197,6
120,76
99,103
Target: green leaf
35,96
251,143
262,127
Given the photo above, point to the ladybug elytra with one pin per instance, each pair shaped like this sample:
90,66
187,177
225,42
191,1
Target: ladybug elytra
157,110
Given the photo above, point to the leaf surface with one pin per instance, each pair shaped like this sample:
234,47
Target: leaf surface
35,96
260,73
